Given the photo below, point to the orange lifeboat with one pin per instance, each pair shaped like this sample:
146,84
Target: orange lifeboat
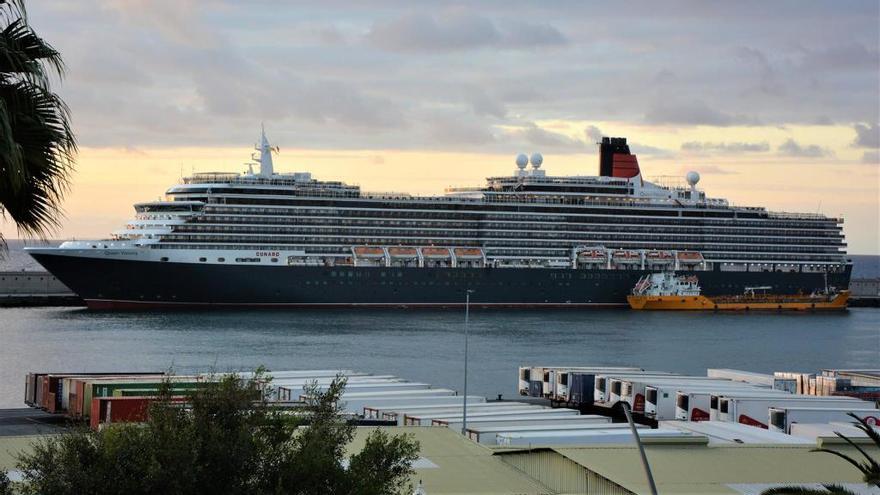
468,253
624,256
369,252
435,252
690,257
592,256
659,256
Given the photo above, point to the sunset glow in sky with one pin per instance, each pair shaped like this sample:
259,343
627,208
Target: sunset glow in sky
776,104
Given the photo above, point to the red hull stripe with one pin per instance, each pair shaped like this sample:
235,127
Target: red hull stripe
127,304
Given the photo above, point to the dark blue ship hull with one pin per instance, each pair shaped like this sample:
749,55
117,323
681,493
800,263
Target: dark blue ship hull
114,284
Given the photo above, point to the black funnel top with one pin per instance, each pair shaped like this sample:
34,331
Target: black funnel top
607,149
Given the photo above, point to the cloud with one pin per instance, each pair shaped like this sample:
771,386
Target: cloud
872,157
593,133
695,112
483,104
458,30
791,148
767,77
849,56
708,170
725,147
551,141
867,136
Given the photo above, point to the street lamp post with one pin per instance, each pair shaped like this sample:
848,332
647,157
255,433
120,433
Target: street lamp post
467,307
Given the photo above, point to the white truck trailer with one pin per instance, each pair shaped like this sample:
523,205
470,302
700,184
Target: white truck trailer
754,411
781,419
487,434
660,398
428,419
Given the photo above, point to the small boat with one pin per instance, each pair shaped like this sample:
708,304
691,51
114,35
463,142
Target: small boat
369,252
403,252
468,253
435,252
666,291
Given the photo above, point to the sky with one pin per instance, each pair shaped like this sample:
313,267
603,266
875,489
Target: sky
776,104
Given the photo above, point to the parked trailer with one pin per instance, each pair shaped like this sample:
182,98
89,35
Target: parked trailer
812,432
559,378
763,379
528,419
369,387
278,374
608,387
660,398
562,381
355,401
488,434
699,401
592,437
428,419
289,388
440,401
724,433
632,390
698,404
397,413
424,418
754,411
780,419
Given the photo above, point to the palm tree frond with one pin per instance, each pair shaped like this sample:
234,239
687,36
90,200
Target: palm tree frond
23,52
803,490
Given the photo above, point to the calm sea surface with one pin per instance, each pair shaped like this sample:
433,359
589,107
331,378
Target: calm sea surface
427,346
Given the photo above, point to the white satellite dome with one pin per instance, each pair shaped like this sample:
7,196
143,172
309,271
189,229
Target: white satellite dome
692,178
536,160
522,160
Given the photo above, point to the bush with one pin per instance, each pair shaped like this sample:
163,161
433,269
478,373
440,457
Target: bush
230,441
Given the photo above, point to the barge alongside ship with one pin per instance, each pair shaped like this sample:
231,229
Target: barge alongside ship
527,240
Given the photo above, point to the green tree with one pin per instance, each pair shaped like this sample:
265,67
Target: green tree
869,467
5,484
37,145
228,440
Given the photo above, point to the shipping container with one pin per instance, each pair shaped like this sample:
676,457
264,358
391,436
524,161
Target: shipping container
780,419
754,411
105,410
84,389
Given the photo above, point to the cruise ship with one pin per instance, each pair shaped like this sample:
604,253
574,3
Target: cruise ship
529,239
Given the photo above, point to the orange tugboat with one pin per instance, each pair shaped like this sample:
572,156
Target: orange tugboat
666,291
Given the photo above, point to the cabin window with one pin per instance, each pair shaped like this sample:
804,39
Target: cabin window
203,259
221,260
274,260
164,258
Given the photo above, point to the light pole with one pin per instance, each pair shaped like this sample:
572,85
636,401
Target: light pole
467,307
